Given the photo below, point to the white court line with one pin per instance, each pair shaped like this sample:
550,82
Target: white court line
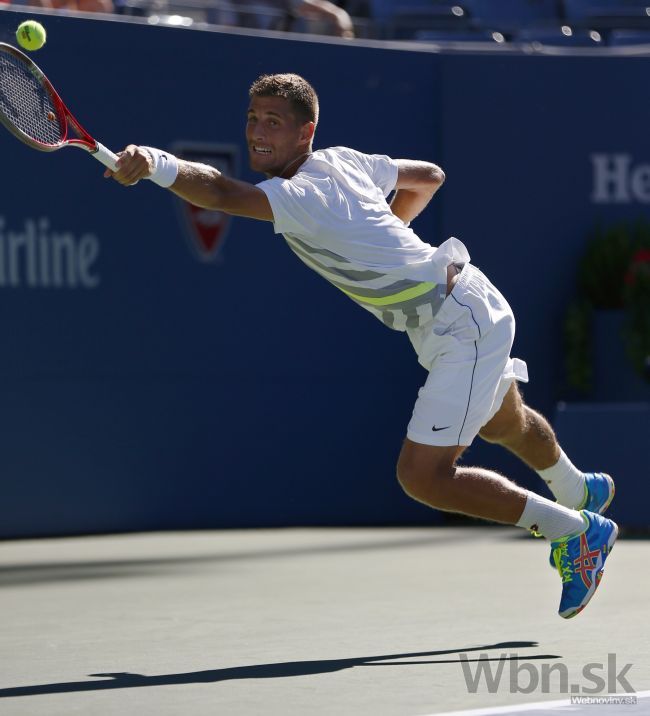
561,705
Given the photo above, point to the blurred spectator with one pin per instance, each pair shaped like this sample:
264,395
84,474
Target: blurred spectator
286,14
329,13
81,5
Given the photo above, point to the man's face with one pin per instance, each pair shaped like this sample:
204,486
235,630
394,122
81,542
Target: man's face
274,135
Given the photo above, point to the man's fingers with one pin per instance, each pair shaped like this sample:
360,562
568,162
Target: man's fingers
132,166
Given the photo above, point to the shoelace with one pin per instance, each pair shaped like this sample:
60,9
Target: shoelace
562,562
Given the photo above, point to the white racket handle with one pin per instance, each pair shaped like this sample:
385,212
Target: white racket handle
105,156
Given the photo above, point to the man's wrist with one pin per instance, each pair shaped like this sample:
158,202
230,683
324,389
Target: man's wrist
165,167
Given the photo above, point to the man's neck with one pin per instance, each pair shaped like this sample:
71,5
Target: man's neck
292,167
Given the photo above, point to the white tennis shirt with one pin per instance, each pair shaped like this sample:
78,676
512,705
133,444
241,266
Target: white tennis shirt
334,215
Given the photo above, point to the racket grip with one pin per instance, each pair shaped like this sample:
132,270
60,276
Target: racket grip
105,156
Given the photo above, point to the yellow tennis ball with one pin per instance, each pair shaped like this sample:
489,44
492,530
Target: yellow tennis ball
31,35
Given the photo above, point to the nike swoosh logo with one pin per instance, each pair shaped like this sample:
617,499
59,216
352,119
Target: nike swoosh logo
435,429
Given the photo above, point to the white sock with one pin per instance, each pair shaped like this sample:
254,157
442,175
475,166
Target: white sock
565,481
550,518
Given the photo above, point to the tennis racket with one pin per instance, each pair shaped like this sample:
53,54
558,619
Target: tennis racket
32,111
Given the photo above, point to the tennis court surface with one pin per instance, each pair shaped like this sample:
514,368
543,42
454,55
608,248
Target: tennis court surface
394,622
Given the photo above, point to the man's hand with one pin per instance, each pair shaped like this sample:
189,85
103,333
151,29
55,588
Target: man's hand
133,164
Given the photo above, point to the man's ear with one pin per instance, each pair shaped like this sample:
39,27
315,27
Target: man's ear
307,132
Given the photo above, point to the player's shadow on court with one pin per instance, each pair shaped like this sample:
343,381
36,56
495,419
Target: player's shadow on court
271,671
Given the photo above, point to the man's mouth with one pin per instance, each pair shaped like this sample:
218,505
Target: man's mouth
261,150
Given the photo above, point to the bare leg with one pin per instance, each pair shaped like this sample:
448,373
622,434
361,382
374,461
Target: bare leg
523,431
527,434
429,475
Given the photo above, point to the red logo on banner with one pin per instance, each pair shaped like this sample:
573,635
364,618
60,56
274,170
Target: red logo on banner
206,229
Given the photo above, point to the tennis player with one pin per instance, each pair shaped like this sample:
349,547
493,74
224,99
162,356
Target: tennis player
331,205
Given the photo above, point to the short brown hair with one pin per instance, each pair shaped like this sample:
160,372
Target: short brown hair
296,89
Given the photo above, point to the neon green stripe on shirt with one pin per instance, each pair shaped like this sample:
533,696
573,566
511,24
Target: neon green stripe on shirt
394,298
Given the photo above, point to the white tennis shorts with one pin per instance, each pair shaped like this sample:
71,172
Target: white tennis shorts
466,349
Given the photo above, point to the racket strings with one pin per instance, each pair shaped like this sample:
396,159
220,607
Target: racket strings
26,104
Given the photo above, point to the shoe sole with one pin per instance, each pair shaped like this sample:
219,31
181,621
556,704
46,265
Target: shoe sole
599,575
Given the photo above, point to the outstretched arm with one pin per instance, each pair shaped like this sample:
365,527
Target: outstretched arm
200,184
417,182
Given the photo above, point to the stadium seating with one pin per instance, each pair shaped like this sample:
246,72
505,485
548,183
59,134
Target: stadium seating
541,19
385,10
467,36
560,36
534,21
629,37
401,20
506,15
607,14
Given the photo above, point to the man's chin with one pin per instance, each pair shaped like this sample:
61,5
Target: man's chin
263,165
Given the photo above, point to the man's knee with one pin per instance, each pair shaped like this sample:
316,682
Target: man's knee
424,470
502,432
410,476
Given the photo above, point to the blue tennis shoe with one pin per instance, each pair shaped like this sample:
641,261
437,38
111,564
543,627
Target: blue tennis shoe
580,558
599,493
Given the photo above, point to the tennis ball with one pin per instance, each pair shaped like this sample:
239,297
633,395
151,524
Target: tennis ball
31,35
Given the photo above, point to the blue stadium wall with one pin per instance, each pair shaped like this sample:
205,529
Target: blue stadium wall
145,388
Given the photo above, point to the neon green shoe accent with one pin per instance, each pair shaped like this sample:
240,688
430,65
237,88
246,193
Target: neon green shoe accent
559,550
584,499
563,565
